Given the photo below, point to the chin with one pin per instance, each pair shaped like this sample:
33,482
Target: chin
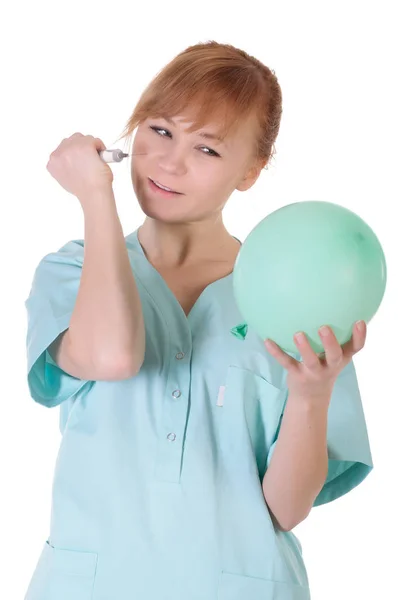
163,213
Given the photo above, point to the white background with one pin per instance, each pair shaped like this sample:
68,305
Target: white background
81,66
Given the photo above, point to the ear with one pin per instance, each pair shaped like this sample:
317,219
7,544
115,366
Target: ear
251,176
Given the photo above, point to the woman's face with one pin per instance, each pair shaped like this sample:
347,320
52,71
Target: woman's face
201,170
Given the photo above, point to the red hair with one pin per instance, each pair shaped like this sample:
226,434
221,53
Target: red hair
215,82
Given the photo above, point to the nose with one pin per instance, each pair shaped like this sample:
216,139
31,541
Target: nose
173,160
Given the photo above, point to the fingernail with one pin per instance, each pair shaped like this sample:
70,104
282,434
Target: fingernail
324,330
360,325
300,337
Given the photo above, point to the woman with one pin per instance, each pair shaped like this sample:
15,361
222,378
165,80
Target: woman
190,449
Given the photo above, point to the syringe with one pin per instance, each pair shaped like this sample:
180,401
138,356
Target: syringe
110,156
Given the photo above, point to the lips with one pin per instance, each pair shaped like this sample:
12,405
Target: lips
162,187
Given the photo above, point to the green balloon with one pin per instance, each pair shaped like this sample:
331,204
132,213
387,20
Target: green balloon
306,265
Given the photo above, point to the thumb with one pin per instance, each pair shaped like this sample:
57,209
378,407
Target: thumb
99,144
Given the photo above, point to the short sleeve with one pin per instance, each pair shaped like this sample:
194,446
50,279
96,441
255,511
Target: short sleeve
49,308
349,455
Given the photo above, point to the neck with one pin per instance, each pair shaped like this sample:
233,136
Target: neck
175,245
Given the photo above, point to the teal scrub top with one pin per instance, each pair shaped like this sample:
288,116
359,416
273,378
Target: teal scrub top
157,488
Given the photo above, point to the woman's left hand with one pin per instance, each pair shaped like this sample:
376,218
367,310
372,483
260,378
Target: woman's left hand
315,376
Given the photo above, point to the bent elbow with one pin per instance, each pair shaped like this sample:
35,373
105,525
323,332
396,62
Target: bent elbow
287,523
120,369
290,524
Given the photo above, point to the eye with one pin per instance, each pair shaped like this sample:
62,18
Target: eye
210,151
158,130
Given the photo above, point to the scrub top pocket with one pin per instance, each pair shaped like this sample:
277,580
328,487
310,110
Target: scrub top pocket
63,575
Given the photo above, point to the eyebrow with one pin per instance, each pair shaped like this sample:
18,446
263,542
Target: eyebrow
204,134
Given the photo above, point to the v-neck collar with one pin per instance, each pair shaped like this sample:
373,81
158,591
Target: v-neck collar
151,272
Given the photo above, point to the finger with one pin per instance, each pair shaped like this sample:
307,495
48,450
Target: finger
310,358
334,354
276,351
99,144
357,340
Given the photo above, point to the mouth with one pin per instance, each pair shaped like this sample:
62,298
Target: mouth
162,189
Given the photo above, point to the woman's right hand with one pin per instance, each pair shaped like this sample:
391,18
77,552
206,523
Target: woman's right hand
78,168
